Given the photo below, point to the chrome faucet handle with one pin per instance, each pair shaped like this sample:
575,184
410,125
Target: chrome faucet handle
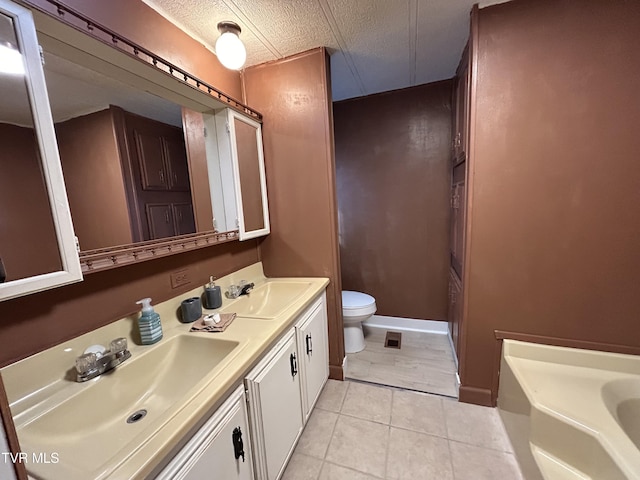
97,360
86,363
118,345
233,291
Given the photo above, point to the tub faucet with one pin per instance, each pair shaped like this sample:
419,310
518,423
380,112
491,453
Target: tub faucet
97,360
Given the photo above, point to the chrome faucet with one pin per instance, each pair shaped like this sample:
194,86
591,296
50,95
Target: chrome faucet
97,360
243,288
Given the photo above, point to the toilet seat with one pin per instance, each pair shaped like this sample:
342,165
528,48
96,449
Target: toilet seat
355,304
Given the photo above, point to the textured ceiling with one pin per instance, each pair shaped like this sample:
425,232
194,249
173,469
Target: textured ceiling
375,45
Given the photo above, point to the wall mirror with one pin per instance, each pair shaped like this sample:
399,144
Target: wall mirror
123,157
121,117
37,247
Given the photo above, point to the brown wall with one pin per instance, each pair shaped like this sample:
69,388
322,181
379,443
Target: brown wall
28,244
93,173
295,97
138,22
36,322
392,170
553,248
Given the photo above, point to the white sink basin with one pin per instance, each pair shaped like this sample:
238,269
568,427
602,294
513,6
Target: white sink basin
90,428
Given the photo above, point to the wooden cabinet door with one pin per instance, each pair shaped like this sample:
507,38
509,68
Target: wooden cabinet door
461,112
150,153
275,407
176,161
461,221
183,219
214,451
160,220
457,225
453,215
311,331
455,310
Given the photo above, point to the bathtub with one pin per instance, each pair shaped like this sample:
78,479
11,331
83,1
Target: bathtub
571,413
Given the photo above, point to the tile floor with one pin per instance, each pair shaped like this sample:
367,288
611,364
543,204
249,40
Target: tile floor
424,363
366,432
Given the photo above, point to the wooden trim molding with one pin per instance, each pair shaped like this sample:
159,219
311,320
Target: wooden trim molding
107,258
475,395
469,166
336,372
9,428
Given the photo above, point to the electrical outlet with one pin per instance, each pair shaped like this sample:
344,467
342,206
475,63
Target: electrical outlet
180,278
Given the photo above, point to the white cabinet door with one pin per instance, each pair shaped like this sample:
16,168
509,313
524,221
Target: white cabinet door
275,406
313,346
215,450
61,265
249,175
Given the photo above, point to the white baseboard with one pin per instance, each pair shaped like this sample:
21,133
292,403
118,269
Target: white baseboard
407,324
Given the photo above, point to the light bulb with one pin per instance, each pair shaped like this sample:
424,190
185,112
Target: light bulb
11,61
230,51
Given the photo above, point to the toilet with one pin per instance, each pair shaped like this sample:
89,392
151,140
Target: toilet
356,307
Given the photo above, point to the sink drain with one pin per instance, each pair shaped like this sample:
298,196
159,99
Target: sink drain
137,416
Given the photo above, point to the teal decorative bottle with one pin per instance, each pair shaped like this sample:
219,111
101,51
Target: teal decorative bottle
149,323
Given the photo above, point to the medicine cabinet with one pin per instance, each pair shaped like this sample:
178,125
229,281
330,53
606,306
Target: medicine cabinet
37,241
235,157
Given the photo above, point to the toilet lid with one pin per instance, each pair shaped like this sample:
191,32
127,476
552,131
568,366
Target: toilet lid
352,300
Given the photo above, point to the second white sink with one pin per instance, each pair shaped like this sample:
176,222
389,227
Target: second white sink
268,300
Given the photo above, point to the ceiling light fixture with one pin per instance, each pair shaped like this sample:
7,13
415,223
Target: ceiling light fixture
10,60
229,48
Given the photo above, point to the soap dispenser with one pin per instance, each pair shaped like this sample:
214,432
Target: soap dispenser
212,295
149,323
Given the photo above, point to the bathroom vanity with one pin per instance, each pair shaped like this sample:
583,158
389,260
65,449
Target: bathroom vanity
237,400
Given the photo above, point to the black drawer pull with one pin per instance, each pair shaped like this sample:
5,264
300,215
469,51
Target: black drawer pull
309,344
238,446
294,364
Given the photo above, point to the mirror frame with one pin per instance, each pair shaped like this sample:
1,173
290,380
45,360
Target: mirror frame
243,232
99,48
51,168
